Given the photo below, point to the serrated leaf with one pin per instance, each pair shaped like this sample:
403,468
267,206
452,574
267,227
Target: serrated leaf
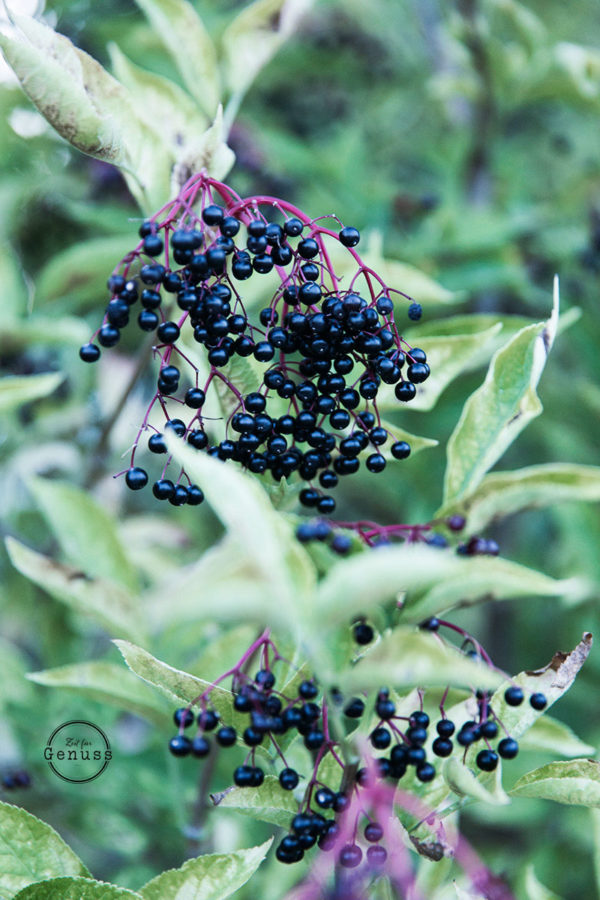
181,30
500,409
406,658
210,877
76,889
549,734
87,534
178,686
80,271
31,850
575,782
269,802
254,37
19,389
501,494
448,357
462,781
105,602
87,107
106,683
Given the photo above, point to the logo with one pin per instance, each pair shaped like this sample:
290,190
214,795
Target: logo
77,751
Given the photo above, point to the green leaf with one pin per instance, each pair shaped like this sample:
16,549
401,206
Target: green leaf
504,493
465,783
595,817
448,357
210,877
87,534
79,272
433,579
31,850
500,409
269,802
178,686
244,508
549,734
75,889
253,38
106,683
406,658
20,389
164,104
181,30
13,285
107,603
88,107
575,782
231,587
485,578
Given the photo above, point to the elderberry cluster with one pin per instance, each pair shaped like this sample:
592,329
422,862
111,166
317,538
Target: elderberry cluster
401,746
326,341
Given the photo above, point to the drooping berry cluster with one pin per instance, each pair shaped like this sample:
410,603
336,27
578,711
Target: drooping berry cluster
327,340
407,741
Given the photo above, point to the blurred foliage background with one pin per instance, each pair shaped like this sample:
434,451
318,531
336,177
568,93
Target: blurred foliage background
463,133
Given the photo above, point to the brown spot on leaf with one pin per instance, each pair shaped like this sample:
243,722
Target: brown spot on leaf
433,850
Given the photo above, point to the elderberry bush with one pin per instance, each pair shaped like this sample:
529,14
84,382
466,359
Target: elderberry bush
319,350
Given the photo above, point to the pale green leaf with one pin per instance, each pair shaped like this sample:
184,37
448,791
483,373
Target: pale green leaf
501,494
485,578
208,151
269,802
19,389
180,687
18,334
448,357
165,106
432,578
80,271
106,683
88,107
534,889
180,28
210,877
498,411
231,587
463,782
76,889
574,782
549,734
109,604
85,531
245,510
253,38
30,850
406,658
